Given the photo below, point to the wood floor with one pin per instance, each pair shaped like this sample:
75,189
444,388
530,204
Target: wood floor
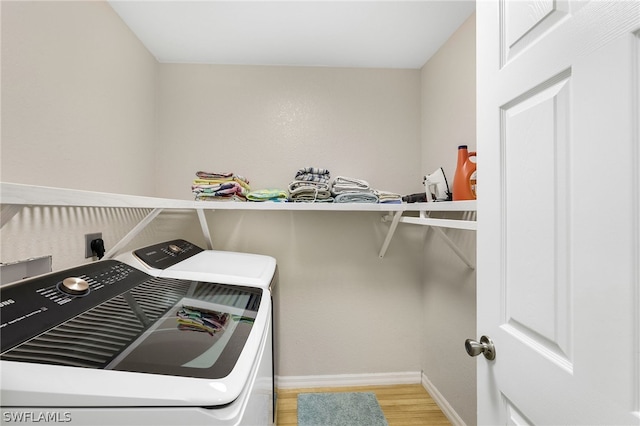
403,405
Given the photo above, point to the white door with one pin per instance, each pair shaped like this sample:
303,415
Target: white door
558,211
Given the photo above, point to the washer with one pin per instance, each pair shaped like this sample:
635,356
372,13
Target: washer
182,259
106,343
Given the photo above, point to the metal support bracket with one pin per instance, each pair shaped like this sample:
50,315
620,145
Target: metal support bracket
436,224
392,229
8,211
205,228
115,250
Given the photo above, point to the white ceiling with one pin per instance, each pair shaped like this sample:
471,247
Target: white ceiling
369,34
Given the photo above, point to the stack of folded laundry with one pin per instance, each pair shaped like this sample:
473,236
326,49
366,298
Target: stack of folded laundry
220,187
276,195
351,190
385,197
311,184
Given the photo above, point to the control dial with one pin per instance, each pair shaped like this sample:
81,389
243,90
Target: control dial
174,248
74,286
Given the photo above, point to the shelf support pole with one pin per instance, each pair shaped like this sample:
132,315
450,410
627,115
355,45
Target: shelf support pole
392,230
8,211
132,234
454,247
205,228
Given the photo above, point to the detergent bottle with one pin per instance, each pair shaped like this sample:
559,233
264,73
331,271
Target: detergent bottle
464,181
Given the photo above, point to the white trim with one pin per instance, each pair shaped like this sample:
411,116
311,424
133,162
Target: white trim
339,380
444,405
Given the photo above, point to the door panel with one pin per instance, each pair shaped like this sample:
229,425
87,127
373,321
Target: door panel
526,20
558,212
535,146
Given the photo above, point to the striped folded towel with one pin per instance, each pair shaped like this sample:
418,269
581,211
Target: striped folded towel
313,174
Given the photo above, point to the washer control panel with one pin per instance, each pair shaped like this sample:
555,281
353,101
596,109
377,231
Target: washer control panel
167,254
31,306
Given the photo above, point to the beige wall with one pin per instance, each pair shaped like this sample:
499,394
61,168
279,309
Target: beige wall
78,111
78,98
267,122
448,107
449,287
340,308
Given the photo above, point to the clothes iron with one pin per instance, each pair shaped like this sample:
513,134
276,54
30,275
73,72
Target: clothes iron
436,186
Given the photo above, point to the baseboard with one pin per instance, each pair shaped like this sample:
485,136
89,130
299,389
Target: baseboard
444,405
338,380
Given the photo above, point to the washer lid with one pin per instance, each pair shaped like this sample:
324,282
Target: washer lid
145,340
174,374
193,339
225,267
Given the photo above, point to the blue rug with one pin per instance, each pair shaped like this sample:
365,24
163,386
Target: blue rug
340,409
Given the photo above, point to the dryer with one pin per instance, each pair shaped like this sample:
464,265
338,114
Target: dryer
106,343
183,259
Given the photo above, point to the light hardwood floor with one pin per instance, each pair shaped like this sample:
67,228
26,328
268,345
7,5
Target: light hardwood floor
401,404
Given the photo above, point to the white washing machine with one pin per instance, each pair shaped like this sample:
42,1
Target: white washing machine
107,344
184,260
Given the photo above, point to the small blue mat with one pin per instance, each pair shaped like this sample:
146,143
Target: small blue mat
340,409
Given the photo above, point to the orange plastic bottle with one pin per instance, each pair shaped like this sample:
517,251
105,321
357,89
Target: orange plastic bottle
464,181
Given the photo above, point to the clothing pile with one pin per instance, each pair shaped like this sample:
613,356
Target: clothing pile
351,190
311,184
220,187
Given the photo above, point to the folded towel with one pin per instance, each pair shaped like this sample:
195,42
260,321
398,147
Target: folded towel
218,197
303,184
225,189
235,179
268,195
344,180
213,175
385,197
214,186
309,191
313,174
356,197
311,196
224,176
346,184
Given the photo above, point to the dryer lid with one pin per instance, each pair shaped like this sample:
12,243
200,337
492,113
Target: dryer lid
228,267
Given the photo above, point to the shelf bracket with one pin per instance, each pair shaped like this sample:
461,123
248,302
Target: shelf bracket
8,211
392,230
454,247
461,224
436,224
205,228
115,250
